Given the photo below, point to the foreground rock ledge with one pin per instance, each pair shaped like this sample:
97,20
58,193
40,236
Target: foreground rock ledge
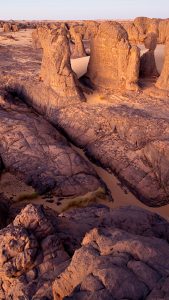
116,254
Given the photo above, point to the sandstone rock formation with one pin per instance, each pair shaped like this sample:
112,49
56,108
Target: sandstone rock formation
56,70
123,254
79,50
145,26
113,64
139,28
7,27
14,28
37,154
31,256
147,62
124,257
163,31
163,81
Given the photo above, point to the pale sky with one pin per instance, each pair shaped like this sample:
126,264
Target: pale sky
82,9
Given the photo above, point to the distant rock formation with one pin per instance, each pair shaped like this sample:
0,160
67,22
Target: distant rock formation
7,27
113,64
148,66
14,28
163,81
139,28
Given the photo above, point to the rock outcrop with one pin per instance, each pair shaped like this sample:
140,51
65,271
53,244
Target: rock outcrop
124,257
163,81
36,153
113,64
31,256
56,70
117,254
148,66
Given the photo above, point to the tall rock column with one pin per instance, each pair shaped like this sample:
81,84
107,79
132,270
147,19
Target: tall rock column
56,70
113,64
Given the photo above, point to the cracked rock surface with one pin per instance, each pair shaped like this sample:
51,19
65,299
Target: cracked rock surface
36,153
125,257
31,256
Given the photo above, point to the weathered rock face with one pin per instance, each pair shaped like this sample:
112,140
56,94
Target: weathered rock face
126,257
148,66
7,27
163,31
113,61
145,26
56,70
91,29
37,154
163,81
74,224
142,26
124,254
31,256
79,50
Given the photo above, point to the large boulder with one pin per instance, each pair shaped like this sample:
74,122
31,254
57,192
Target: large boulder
113,64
